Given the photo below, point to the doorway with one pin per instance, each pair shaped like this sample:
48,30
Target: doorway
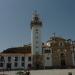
62,60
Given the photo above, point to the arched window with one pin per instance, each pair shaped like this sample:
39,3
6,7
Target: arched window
61,44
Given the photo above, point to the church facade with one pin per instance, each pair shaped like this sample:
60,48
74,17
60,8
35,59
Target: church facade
62,52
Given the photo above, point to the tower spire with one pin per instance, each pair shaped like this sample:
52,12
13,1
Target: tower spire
35,13
35,19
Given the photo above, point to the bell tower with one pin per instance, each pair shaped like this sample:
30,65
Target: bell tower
36,25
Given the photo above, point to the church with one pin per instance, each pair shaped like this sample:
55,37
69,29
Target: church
57,52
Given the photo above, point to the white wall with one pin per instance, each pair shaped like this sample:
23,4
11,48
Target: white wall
33,40
47,52
19,61
48,62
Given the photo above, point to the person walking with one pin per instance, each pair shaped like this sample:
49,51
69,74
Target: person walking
27,72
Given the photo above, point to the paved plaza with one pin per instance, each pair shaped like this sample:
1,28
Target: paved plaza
44,72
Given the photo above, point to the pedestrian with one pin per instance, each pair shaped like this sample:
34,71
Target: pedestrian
27,72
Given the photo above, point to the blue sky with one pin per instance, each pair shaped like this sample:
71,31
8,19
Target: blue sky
15,16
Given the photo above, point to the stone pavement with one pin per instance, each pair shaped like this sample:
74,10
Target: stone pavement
44,72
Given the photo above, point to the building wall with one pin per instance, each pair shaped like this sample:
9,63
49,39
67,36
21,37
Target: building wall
73,58
48,60
47,52
61,52
19,61
73,53
36,40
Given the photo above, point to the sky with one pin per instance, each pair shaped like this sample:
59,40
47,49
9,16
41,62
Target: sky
58,16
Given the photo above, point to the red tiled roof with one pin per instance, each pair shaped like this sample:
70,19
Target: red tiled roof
25,49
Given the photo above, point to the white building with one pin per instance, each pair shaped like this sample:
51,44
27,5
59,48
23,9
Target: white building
22,58
15,61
